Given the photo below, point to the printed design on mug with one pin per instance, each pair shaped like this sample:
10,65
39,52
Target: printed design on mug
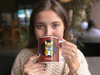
49,48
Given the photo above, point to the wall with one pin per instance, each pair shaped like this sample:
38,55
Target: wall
95,13
7,5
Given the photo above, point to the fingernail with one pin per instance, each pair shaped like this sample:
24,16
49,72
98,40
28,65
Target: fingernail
45,64
44,70
37,54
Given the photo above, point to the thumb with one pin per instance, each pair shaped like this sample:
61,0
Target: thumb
32,59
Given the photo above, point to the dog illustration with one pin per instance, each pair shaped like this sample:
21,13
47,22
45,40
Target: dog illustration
49,48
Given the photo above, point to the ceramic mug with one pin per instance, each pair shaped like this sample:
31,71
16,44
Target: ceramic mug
48,47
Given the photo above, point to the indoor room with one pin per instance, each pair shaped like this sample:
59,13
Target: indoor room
83,25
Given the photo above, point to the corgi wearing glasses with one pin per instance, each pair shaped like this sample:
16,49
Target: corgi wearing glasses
48,48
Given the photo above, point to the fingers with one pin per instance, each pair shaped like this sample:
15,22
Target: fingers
31,72
36,73
68,54
67,43
38,67
28,62
68,49
35,69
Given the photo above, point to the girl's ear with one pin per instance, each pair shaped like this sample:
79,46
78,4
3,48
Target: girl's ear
45,42
51,42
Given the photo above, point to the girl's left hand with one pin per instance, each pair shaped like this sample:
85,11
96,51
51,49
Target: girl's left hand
69,52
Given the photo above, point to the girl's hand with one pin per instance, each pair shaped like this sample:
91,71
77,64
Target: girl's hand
33,69
69,52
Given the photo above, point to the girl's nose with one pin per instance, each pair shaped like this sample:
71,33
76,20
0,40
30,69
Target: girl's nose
48,32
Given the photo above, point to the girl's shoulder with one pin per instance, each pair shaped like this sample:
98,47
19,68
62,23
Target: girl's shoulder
80,54
24,54
26,51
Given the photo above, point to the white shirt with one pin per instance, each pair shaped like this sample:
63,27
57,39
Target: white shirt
93,32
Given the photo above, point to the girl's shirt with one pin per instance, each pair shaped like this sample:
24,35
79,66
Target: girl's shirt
60,68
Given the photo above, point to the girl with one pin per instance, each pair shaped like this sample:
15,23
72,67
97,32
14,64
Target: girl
49,19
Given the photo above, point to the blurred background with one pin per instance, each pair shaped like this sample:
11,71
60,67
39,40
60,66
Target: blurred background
84,29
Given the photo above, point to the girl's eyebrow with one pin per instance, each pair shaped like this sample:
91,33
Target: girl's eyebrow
56,22
44,23
39,23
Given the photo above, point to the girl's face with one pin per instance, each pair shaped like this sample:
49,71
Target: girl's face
48,23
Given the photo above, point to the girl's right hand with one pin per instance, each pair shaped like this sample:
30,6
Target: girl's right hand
33,69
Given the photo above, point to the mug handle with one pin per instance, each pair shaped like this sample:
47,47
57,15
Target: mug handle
62,58
60,41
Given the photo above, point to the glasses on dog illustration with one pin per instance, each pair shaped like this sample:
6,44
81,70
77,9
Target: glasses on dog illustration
49,48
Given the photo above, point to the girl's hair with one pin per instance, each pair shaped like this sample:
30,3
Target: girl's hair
47,5
91,24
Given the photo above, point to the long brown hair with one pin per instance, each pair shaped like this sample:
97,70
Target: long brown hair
47,5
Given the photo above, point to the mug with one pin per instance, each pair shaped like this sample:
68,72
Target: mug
48,47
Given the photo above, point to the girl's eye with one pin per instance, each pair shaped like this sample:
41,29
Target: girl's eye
55,25
40,26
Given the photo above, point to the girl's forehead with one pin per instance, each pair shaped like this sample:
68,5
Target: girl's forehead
47,15
48,12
